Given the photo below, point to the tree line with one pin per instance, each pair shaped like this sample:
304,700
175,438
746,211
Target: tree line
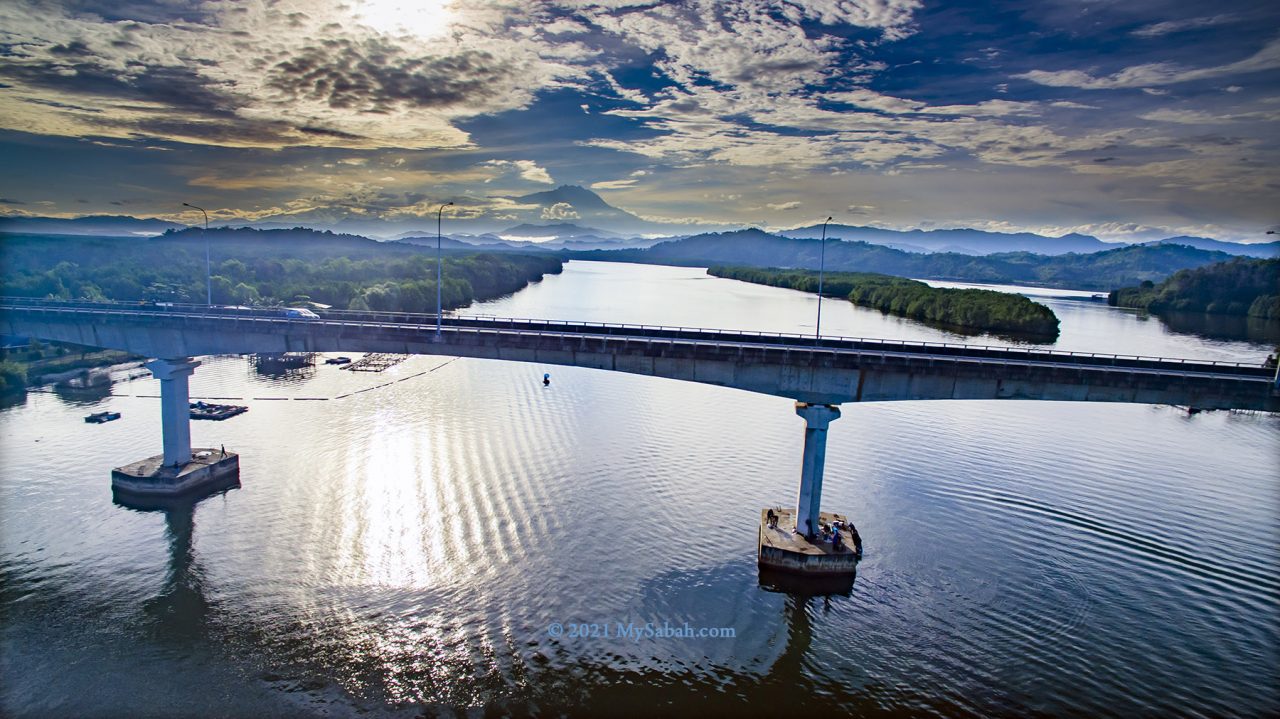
252,267
1241,287
967,310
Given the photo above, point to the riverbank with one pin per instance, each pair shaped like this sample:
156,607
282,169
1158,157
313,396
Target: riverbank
45,363
967,311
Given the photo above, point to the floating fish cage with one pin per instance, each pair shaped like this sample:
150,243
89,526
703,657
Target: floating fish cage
283,361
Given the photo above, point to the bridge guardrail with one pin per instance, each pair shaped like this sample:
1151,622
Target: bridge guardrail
835,343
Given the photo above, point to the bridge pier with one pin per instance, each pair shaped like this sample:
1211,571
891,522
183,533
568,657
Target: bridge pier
808,502
175,406
176,472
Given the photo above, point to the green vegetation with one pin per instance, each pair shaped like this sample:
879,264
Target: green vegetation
38,361
1241,287
13,378
967,310
255,267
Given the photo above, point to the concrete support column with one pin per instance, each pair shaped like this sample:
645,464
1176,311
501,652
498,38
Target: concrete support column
816,418
175,406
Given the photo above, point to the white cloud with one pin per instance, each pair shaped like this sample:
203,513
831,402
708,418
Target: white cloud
613,184
560,211
783,206
1171,26
527,169
1155,74
1199,117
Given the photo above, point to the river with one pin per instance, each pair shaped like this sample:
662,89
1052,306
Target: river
412,548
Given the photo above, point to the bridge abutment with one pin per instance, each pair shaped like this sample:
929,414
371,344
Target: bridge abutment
817,417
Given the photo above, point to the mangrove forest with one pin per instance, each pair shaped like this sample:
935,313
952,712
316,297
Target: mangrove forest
969,311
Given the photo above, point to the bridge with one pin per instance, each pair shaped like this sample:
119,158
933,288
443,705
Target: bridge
819,374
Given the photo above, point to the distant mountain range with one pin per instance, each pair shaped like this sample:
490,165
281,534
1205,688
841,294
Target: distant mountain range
982,242
575,218
1120,266
98,225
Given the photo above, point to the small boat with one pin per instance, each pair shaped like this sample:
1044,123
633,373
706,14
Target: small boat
100,417
338,360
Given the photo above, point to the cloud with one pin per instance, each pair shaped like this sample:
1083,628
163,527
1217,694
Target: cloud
270,74
613,184
783,206
1201,117
560,211
527,169
1172,26
1154,74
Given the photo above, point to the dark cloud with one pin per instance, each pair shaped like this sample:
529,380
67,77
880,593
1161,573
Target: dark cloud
327,132
10,201
372,76
178,88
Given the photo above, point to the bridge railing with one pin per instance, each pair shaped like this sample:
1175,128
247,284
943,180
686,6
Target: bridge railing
787,340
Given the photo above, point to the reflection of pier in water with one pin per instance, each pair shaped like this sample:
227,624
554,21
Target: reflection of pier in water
181,609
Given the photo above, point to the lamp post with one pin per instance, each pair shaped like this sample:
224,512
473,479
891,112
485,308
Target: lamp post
208,276
439,271
822,266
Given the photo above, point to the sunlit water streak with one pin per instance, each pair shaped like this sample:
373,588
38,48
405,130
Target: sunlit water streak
405,548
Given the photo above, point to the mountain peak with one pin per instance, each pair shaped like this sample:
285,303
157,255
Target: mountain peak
579,197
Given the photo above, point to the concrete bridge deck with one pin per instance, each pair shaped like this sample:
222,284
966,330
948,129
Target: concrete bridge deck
832,370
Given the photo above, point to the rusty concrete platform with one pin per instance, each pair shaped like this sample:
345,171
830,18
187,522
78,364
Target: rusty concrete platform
151,477
782,549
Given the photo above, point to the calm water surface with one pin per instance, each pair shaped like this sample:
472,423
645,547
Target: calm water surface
404,550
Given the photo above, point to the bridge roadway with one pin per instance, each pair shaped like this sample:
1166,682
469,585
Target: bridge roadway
833,370
819,374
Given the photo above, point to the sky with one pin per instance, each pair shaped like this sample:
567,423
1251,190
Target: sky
1126,119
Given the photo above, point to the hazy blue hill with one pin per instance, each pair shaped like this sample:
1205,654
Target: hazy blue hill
100,225
1125,265
1259,249
963,241
562,230
981,242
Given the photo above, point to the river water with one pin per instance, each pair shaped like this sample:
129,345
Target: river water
411,549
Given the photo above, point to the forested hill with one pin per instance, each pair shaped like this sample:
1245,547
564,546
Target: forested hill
260,267
1249,288
1097,270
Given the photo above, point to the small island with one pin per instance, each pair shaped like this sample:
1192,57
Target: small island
1240,287
967,311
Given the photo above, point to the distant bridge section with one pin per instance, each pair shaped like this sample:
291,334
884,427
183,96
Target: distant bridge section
832,371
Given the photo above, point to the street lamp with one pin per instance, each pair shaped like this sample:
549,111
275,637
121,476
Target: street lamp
208,276
439,271
822,266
